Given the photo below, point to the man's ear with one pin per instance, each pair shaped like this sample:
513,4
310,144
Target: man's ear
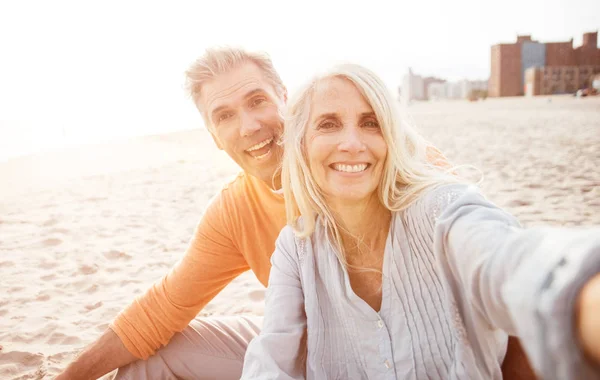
216,140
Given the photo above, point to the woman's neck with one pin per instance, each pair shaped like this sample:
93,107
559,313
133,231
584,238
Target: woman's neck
362,224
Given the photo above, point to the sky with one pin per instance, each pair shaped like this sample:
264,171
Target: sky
81,71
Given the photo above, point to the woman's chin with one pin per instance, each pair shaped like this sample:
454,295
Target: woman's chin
350,197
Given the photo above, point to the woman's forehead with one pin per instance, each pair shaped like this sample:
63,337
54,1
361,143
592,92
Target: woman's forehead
336,94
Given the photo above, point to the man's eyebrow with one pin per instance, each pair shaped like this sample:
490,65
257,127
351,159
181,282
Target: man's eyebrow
249,94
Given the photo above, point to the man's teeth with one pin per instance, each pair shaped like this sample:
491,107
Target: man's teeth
350,168
262,155
259,145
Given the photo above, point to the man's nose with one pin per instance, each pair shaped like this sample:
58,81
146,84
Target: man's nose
249,125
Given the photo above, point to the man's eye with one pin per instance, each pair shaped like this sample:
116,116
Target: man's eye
224,116
257,101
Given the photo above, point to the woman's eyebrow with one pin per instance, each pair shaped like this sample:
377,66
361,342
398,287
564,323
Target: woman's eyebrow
328,115
367,114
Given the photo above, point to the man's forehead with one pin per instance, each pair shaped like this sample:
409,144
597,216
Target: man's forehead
232,85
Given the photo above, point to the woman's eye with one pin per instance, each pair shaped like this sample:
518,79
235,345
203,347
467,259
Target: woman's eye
371,124
327,125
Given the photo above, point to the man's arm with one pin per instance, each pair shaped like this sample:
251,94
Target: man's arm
98,359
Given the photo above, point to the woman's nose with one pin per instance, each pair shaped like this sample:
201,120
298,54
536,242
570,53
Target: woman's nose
351,140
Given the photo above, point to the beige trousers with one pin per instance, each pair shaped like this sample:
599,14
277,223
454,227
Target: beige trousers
209,348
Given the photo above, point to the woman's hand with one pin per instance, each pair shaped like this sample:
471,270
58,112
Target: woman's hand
587,319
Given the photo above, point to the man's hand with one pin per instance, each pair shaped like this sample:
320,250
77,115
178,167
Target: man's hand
101,357
587,319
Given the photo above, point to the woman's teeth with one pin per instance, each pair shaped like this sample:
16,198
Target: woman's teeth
350,168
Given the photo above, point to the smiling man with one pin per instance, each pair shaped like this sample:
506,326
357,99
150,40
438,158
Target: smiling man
240,96
158,336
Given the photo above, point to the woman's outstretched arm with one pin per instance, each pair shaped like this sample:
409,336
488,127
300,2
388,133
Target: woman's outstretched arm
587,323
279,351
524,281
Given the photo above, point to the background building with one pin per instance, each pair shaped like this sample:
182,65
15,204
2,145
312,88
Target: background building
509,62
427,82
436,90
415,87
559,79
412,88
455,90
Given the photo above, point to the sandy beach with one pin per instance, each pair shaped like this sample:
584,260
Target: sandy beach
84,231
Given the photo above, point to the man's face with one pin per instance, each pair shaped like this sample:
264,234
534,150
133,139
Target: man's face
242,108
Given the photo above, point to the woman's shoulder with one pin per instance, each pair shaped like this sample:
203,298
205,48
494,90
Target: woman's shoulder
287,237
290,244
434,201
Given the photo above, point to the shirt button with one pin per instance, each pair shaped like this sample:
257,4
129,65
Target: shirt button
387,364
380,323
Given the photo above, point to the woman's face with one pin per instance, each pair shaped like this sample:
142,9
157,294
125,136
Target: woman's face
344,144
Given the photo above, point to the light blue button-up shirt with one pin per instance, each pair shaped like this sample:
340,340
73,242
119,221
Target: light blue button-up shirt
459,274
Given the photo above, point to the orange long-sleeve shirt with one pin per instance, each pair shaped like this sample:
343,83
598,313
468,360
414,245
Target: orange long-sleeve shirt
236,233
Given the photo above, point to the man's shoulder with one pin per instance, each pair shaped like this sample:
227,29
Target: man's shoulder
240,179
235,190
237,194
217,213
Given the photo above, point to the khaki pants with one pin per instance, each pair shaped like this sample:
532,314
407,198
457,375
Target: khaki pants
209,348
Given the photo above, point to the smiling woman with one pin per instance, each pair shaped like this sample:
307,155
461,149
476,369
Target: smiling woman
351,169
394,268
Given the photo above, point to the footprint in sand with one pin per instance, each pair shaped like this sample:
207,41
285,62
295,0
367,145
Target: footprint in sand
48,277
6,264
94,306
88,269
117,255
92,289
257,295
42,297
51,242
24,358
518,203
50,222
534,185
59,231
45,264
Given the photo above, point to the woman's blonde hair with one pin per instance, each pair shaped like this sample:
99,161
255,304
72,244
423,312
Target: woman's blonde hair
406,173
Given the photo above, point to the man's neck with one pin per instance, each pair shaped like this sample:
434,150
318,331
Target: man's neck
273,182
